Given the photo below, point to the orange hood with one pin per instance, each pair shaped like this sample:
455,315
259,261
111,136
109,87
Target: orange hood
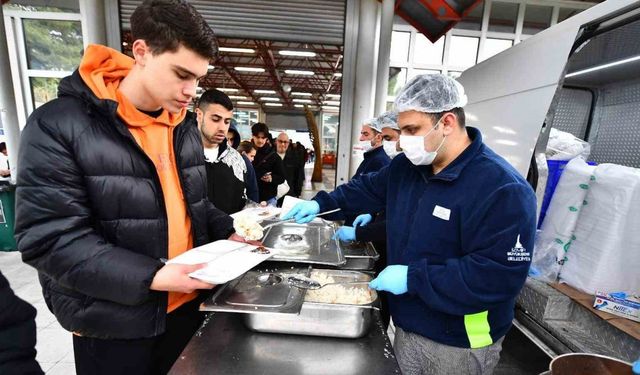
102,69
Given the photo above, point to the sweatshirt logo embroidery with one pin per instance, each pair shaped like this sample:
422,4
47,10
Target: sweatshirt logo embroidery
518,253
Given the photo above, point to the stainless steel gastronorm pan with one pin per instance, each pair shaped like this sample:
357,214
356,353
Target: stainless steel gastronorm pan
321,319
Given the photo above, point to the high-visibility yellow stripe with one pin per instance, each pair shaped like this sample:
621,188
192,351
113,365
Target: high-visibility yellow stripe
477,327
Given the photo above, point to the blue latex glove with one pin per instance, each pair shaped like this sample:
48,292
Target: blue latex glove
392,279
636,367
345,234
303,212
362,220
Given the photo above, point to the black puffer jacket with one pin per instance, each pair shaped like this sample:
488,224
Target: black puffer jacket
91,218
17,333
267,161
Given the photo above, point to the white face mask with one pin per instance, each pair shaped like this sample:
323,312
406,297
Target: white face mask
390,148
413,147
365,145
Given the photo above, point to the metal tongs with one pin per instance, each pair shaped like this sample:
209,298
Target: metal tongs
292,219
303,282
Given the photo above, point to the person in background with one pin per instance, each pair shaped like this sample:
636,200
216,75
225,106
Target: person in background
233,138
372,227
111,184
461,223
227,169
247,149
267,164
233,135
293,166
371,142
17,333
4,161
374,156
390,134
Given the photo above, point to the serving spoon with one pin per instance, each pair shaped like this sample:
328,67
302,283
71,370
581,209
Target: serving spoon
303,282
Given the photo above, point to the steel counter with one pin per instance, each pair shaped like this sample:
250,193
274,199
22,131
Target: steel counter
223,345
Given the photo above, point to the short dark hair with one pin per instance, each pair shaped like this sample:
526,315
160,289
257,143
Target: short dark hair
165,24
458,111
214,96
245,146
260,127
3,146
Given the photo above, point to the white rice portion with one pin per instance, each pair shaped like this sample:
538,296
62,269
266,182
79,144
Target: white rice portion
338,294
247,227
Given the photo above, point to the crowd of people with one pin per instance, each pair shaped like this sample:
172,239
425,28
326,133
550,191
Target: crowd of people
261,170
116,176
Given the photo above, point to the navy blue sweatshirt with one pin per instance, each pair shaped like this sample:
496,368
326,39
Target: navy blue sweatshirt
373,161
466,235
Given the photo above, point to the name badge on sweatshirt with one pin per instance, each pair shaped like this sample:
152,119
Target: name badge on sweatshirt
441,212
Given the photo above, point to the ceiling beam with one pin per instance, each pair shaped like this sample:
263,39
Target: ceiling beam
232,74
333,76
269,62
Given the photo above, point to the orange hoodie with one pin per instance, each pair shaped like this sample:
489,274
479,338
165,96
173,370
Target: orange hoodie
102,69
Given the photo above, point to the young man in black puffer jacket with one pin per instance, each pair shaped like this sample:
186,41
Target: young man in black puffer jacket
112,183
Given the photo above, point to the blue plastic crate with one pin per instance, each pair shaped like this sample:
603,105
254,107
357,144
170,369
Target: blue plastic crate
556,167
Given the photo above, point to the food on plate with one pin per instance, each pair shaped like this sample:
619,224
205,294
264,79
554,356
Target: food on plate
355,295
261,250
246,227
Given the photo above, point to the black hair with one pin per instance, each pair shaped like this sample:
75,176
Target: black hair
458,111
3,146
260,127
165,24
214,96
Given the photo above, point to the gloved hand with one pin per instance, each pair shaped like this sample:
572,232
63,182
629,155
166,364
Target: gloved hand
362,220
345,234
636,367
392,279
303,212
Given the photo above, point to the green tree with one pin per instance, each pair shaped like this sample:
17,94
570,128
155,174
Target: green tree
53,45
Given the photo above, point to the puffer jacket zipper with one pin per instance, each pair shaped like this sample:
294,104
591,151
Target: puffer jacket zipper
177,140
161,306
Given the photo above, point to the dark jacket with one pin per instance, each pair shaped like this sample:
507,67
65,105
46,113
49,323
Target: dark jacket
236,136
293,171
17,334
373,161
226,187
466,235
251,181
267,160
91,217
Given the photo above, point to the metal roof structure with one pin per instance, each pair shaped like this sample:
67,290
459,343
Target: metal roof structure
274,75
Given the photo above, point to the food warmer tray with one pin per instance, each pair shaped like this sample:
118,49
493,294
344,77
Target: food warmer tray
261,290
359,255
310,243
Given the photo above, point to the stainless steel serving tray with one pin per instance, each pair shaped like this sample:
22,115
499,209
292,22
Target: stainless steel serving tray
310,243
359,255
261,290
321,319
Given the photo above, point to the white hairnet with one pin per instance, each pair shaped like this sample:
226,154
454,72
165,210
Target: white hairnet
389,120
374,124
431,93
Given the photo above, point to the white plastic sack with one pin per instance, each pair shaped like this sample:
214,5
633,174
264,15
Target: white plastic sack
565,146
556,234
605,252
